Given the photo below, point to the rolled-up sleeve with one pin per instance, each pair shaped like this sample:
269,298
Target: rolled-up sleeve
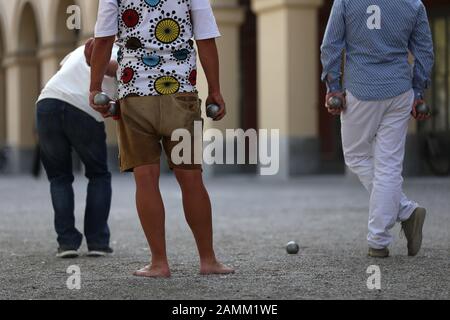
203,20
421,46
107,19
333,46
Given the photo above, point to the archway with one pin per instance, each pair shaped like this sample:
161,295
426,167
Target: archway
28,32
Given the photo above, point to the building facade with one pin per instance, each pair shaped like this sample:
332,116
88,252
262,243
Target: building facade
270,72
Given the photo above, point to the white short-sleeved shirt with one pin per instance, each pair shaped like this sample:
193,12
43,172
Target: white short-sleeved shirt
71,83
157,55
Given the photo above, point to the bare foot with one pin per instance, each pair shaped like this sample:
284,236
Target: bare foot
153,272
215,268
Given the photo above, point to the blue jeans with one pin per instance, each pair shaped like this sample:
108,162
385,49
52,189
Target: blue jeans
61,128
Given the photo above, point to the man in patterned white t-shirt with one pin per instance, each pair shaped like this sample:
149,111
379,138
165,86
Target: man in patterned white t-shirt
157,72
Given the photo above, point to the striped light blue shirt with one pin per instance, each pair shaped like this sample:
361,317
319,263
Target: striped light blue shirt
377,36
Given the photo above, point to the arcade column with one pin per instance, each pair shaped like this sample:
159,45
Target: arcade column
288,59
22,86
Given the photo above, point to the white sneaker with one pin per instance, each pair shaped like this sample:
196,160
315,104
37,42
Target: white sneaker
67,253
98,253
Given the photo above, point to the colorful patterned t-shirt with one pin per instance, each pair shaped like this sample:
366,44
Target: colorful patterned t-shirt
157,55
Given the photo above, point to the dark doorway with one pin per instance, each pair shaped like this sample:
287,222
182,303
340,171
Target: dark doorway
249,78
435,134
329,126
439,93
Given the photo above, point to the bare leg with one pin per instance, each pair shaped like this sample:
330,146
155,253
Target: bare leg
152,215
197,208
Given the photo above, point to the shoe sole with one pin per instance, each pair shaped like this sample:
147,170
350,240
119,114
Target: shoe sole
97,254
378,253
378,256
68,255
418,229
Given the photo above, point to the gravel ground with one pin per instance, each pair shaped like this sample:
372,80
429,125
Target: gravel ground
254,219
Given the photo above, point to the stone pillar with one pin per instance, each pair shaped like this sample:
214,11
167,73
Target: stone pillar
288,61
229,16
22,72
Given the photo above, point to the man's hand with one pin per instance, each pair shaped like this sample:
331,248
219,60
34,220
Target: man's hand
419,116
334,111
216,98
104,110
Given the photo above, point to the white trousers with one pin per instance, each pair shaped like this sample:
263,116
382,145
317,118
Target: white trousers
374,136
